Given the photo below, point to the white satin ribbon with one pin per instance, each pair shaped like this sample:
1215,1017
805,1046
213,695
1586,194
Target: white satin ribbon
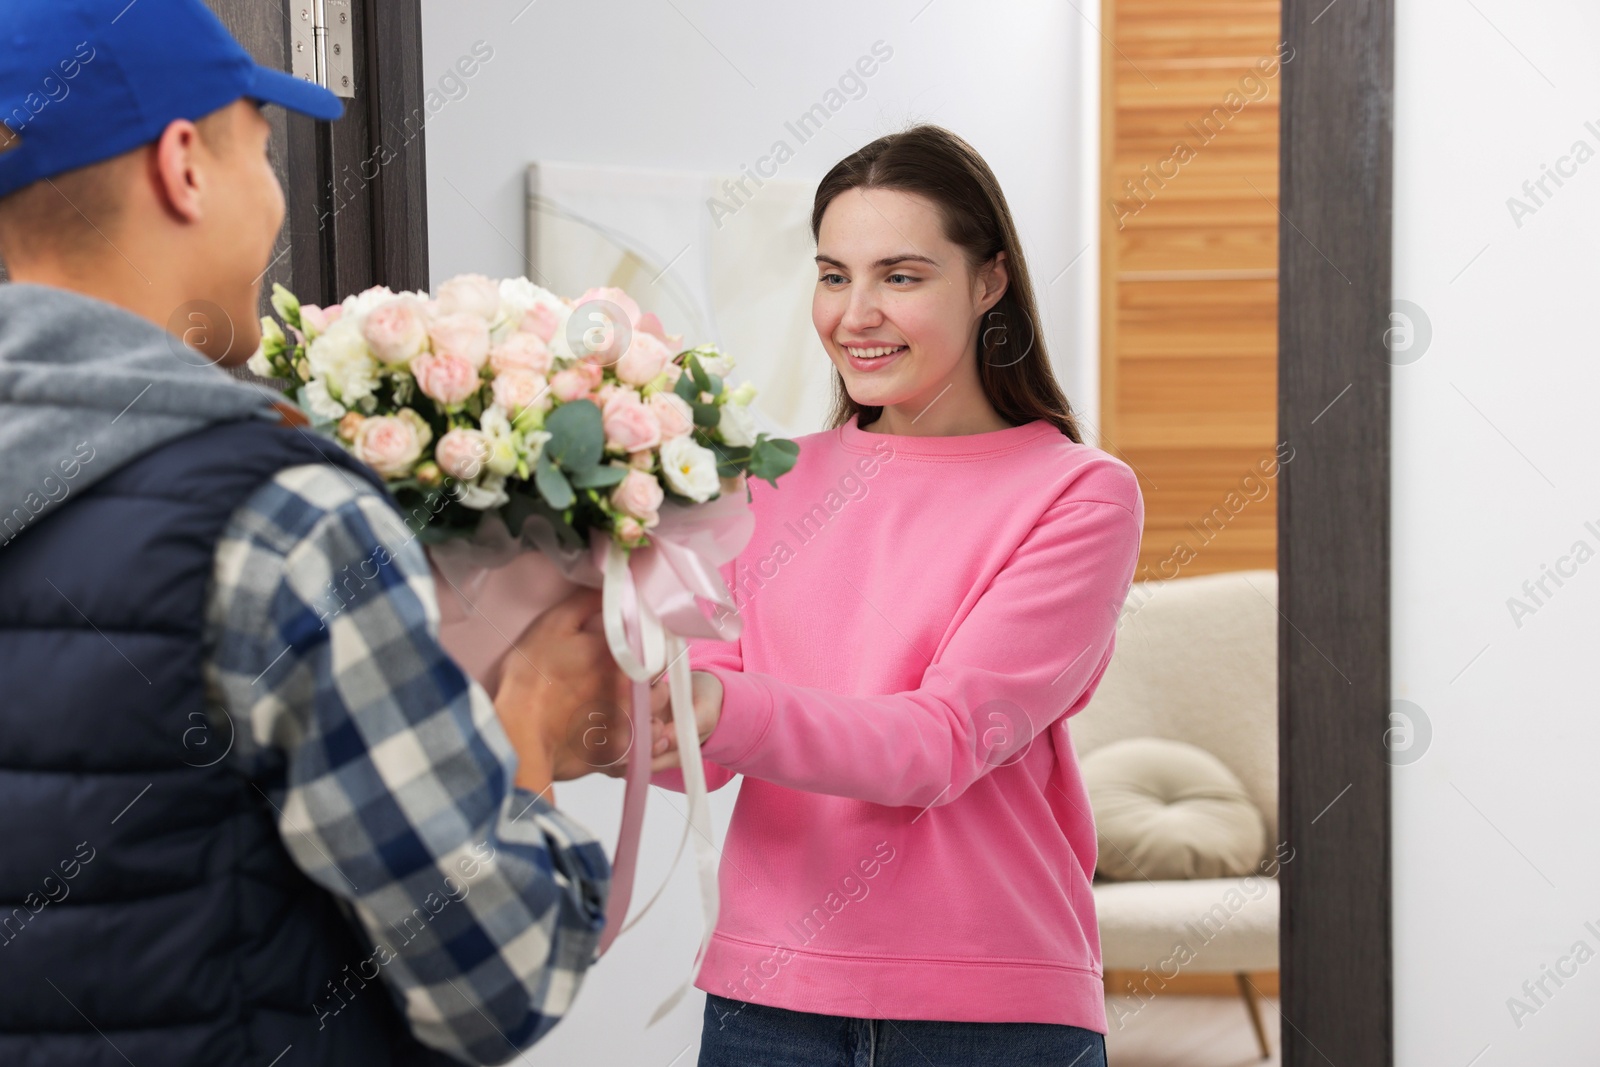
642,656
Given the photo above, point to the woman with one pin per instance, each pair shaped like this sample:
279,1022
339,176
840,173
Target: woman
929,594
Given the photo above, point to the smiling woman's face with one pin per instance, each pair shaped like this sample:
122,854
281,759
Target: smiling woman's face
896,306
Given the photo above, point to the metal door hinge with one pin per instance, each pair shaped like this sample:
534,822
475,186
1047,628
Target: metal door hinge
320,44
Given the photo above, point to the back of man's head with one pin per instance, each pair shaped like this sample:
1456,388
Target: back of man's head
72,216
134,161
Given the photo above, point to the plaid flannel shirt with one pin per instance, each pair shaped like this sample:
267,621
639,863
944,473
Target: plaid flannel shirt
393,777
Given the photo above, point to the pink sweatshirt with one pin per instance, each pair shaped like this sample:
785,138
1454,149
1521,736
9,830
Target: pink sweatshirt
920,616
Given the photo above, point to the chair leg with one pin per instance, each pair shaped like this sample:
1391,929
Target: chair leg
1248,991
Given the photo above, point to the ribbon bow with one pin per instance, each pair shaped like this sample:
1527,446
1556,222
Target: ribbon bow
649,605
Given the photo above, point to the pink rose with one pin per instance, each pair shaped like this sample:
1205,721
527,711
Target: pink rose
470,294
522,350
605,320
569,385
630,530
613,295
350,424
645,358
515,389
629,425
607,391
540,321
462,453
316,319
396,331
387,444
640,495
674,372
460,335
649,323
674,414
447,379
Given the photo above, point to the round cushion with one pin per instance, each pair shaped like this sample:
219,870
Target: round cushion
1167,809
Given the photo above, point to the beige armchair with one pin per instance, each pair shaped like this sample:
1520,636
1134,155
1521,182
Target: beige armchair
1196,661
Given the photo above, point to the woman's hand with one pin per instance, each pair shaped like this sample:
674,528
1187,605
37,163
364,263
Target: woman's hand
707,693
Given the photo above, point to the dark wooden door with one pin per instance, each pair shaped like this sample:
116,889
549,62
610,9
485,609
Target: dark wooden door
356,187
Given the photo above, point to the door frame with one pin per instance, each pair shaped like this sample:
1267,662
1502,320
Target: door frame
1336,142
1336,996
1336,146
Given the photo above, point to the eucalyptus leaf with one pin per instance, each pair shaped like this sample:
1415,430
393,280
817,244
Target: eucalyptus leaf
772,458
553,485
598,477
577,437
698,373
707,415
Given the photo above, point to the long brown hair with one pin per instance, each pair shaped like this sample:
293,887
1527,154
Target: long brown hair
934,163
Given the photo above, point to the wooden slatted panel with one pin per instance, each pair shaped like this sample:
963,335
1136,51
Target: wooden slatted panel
1189,268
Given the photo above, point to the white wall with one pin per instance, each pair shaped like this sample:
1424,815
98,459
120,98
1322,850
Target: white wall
708,85
1496,870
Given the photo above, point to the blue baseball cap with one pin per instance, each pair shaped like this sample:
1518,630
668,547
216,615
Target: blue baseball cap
86,80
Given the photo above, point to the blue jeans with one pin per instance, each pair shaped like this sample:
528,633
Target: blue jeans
737,1034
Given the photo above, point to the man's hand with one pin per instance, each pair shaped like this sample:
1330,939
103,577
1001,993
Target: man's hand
707,693
562,698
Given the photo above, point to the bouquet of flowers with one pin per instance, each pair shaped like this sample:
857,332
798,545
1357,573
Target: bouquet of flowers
514,400
535,442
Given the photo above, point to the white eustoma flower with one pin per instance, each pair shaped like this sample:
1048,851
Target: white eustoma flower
490,493
321,404
742,394
737,426
502,443
271,337
719,364
341,358
690,469
258,365
534,440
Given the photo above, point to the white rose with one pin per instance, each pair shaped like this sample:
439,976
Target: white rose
737,426
364,301
321,404
690,469
470,294
342,359
558,340
518,296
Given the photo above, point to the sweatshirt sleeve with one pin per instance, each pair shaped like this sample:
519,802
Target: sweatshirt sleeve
1030,651
704,654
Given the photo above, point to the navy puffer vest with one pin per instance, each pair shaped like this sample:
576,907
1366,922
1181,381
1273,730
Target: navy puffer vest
148,909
